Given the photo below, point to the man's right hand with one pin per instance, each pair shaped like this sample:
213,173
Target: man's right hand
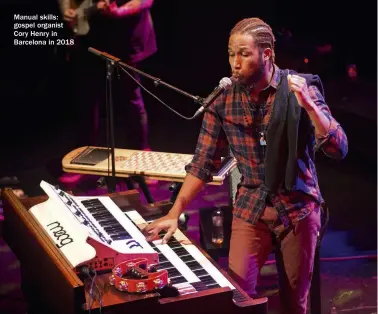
168,223
69,15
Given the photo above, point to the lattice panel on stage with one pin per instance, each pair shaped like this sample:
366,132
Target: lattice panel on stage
160,163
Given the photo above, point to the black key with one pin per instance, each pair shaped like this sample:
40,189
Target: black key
115,225
105,220
99,216
208,280
173,243
89,203
92,208
165,265
96,209
199,286
200,272
187,258
162,258
180,251
109,222
114,229
238,296
98,212
173,272
122,233
120,237
193,265
177,280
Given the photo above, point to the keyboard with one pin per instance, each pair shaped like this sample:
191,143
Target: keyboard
189,270
91,230
51,237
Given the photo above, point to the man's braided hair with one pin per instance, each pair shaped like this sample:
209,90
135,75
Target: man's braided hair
259,30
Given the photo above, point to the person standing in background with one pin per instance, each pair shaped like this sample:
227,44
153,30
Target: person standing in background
125,30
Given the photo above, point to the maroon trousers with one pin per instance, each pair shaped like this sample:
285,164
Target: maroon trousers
250,246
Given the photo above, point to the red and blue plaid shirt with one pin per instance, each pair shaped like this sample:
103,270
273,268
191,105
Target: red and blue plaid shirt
226,122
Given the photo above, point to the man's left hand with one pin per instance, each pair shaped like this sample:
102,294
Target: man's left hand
299,87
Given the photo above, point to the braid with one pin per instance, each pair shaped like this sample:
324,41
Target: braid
259,30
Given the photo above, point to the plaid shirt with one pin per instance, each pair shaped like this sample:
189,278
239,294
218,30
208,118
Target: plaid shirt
234,120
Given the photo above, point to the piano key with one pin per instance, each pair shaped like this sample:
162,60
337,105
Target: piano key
238,296
104,213
185,288
180,251
187,258
177,262
162,258
194,265
120,237
173,272
199,286
177,280
106,220
96,208
114,228
122,233
199,265
165,265
208,280
109,222
196,254
91,201
200,272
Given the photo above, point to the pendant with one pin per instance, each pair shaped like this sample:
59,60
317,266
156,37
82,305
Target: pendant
262,139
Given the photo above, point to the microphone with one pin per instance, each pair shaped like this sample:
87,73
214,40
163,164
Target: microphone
223,84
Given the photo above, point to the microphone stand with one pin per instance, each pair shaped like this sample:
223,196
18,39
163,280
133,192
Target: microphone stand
111,63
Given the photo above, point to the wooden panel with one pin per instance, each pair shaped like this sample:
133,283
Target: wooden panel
46,273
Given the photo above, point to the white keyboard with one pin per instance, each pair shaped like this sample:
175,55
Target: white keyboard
91,230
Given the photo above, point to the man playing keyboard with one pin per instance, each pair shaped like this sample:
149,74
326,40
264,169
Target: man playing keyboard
278,193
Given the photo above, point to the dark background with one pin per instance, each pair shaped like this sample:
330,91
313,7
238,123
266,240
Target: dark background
192,40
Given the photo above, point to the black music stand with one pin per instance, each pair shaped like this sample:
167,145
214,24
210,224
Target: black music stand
110,65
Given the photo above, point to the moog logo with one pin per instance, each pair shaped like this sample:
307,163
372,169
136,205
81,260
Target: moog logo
60,234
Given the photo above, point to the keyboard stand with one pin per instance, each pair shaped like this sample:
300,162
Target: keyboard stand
143,186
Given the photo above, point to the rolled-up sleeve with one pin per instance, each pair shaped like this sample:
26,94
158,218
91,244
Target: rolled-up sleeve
210,140
334,143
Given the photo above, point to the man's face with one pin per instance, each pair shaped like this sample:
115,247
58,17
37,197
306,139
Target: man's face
245,59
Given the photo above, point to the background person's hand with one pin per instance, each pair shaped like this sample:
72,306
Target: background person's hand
69,15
